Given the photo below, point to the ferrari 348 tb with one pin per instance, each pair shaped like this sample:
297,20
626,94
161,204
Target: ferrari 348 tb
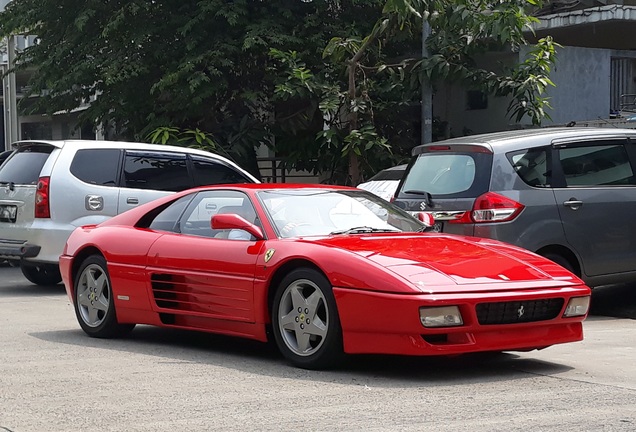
324,270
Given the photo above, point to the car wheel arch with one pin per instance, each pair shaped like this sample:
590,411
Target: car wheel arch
314,339
80,257
565,253
280,273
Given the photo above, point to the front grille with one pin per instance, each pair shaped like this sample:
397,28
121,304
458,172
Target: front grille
518,311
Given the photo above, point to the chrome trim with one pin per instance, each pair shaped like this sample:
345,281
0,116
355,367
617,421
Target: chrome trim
441,215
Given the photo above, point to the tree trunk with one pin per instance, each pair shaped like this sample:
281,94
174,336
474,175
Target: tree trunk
354,162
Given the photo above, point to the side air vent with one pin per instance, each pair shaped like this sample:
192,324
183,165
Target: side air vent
178,293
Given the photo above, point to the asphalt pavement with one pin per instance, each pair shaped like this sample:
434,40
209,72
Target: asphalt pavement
55,378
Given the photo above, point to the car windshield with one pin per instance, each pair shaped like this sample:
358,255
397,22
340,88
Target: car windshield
311,212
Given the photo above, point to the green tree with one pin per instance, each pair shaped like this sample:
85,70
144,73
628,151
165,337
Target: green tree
187,64
248,72
349,92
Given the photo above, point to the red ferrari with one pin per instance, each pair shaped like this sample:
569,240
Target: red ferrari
324,270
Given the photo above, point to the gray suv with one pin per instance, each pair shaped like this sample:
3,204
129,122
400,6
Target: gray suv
48,188
568,194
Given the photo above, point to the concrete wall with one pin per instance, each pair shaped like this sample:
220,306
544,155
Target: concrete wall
582,92
582,79
450,104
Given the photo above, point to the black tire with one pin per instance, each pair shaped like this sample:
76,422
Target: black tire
561,260
41,274
313,337
94,301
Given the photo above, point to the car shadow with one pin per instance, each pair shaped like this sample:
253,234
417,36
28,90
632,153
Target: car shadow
180,346
14,284
618,301
27,289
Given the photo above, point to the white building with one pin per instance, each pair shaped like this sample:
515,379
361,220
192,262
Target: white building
594,74
16,126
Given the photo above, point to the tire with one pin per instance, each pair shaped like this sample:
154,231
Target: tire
94,301
305,320
561,260
41,274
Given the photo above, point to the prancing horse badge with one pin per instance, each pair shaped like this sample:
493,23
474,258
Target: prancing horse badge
269,254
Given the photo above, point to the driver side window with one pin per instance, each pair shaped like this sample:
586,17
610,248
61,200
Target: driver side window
198,216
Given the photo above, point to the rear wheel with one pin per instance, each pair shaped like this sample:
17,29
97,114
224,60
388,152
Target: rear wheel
41,274
305,320
93,300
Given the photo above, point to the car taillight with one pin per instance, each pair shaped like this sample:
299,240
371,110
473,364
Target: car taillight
491,207
42,209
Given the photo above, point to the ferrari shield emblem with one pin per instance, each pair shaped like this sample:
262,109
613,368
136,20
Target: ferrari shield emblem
269,254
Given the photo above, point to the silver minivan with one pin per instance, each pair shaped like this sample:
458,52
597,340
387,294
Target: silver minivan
568,194
48,188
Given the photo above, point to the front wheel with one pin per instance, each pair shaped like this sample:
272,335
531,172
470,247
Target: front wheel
305,320
41,274
93,300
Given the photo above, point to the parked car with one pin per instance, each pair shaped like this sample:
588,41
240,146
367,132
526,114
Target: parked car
385,183
332,269
48,188
568,194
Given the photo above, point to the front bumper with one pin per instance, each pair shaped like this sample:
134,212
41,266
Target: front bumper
67,276
384,323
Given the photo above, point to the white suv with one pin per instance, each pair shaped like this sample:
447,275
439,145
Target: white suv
48,188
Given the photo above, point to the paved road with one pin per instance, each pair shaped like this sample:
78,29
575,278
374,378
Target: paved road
54,378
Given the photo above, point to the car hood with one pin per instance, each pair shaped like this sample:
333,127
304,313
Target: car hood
439,262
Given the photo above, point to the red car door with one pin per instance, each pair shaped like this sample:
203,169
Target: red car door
203,277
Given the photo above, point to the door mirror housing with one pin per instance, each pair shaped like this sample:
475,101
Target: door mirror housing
234,221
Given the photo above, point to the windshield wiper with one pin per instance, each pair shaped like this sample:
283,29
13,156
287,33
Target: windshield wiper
428,199
362,230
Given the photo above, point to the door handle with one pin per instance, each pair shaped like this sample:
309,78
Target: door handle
573,203
131,200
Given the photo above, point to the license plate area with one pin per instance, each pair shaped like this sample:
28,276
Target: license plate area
8,213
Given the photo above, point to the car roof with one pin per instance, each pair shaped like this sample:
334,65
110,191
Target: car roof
392,173
277,186
132,215
129,145
522,138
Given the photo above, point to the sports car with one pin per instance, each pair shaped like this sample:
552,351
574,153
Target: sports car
322,270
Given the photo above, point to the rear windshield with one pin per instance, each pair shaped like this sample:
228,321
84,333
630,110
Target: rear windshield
24,167
453,175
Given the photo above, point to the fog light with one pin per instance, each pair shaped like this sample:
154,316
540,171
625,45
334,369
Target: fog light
445,316
577,306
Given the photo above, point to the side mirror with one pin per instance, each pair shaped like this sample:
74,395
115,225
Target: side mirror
234,221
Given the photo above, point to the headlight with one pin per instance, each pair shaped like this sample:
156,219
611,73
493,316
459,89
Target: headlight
445,316
577,306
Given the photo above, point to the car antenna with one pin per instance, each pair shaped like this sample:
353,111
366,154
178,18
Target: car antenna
611,124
